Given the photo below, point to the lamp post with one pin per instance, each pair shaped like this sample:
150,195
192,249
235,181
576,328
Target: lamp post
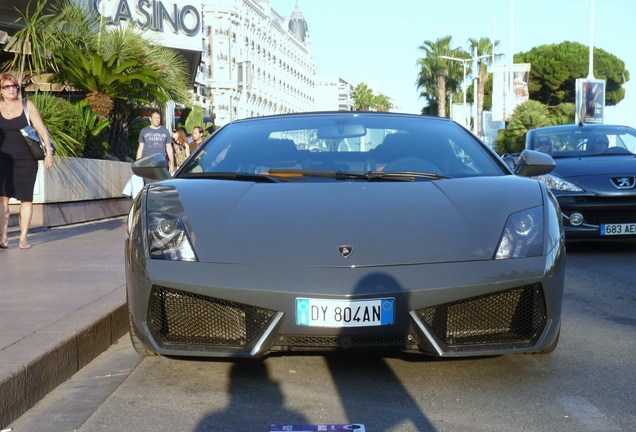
464,86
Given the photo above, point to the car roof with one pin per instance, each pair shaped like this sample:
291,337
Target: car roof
344,114
587,126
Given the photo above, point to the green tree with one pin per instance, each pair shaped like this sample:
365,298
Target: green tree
119,69
65,126
31,43
563,113
382,103
528,115
362,97
555,68
192,117
437,76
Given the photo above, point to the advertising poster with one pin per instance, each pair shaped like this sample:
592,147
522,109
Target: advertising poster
590,100
504,101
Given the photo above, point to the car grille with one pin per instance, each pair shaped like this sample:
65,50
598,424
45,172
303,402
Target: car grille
186,319
597,210
390,341
513,316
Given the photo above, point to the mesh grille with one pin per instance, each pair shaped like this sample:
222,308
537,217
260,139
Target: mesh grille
324,342
513,316
186,319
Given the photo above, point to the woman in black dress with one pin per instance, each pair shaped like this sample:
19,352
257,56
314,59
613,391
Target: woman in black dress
18,168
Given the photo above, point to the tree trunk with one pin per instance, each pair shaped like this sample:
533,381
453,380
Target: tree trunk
483,73
117,135
441,96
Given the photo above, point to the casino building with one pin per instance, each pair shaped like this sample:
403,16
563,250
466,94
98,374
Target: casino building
245,59
259,62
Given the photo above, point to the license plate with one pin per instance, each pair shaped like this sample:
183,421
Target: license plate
344,313
618,229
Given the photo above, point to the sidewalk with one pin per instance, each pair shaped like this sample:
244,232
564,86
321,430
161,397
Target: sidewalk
62,303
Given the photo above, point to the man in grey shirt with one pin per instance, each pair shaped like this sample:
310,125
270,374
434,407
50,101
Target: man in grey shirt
156,139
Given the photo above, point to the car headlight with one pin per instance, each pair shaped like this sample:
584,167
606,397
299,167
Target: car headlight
557,183
523,235
167,232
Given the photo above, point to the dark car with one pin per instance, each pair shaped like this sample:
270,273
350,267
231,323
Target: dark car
594,177
402,232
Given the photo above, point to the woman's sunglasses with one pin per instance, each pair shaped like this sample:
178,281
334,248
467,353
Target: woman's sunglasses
10,86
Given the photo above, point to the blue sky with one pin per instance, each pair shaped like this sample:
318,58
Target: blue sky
377,41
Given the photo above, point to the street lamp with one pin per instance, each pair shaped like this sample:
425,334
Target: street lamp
464,86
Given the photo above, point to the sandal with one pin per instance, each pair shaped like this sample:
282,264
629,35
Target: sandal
4,245
25,245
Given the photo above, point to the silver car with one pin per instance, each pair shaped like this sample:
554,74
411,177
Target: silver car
344,230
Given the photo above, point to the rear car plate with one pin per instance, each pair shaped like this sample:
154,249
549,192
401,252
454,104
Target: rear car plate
314,312
618,229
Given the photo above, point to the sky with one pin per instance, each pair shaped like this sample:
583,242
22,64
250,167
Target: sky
376,42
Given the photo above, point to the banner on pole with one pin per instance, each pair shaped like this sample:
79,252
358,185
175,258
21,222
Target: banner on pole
590,100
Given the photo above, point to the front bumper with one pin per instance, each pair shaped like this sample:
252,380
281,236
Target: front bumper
596,210
449,309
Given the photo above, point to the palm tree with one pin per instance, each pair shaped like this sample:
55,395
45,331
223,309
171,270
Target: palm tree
382,103
31,43
436,72
117,68
486,47
362,97
528,115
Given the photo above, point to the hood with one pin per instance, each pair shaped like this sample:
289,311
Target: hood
384,223
616,165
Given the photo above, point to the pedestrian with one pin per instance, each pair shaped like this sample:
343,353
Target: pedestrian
156,139
180,146
18,168
197,138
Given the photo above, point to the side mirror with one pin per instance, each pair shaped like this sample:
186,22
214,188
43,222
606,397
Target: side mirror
533,163
153,167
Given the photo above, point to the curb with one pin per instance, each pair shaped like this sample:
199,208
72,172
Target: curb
37,364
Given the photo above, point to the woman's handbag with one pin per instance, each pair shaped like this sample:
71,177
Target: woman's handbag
32,137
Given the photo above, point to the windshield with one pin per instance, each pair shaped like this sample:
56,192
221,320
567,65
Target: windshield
328,145
585,141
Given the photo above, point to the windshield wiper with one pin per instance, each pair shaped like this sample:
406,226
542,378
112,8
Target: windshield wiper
405,175
347,175
259,178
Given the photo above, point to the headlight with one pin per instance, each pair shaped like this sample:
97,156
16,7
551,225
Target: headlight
523,235
167,232
557,183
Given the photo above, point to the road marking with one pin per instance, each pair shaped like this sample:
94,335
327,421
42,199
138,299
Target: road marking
587,414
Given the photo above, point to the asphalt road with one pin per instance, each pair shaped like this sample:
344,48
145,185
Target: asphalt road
587,384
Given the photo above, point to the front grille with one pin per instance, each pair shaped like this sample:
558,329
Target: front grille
598,210
514,316
398,341
597,218
185,319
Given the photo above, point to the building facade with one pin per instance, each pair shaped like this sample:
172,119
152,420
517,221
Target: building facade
333,94
260,63
245,59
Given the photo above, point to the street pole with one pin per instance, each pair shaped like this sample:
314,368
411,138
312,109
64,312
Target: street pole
590,72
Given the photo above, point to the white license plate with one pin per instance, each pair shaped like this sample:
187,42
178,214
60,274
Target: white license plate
618,229
344,313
